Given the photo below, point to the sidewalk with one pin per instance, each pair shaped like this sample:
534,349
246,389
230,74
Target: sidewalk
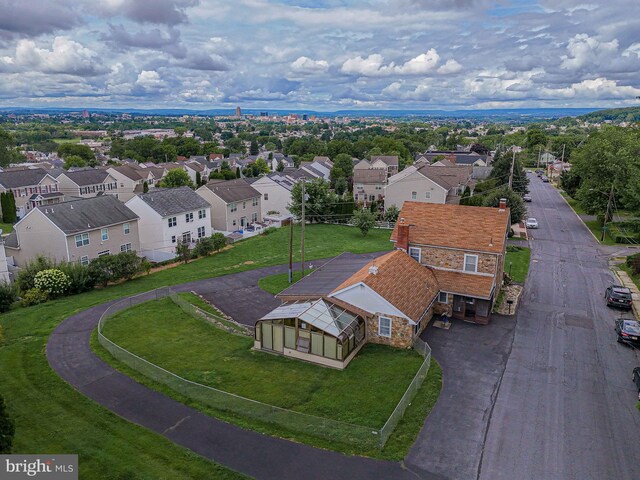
626,280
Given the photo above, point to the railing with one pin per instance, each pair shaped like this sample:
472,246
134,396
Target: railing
295,422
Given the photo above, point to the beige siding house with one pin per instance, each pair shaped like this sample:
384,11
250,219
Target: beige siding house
130,180
75,231
235,204
31,188
368,185
87,183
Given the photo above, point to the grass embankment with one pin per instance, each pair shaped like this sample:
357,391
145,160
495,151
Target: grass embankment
6,227
51,417
593,225
517,262
365,393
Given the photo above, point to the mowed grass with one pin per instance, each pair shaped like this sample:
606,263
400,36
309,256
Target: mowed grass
67,140
365,393
6,227
51,417
517,262
274,284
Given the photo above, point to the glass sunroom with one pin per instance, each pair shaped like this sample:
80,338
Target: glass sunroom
316,331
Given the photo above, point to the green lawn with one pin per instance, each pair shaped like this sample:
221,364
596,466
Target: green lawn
365,393
67,140
6,227
517,262
51,417
274,284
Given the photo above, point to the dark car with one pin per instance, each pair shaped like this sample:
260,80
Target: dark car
628,331
636,379
526,197
617,296
545,179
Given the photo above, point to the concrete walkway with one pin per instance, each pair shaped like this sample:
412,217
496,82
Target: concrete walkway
245,451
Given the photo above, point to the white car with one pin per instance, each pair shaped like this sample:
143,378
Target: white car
532,223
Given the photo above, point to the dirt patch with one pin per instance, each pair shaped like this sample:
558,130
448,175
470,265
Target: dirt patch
510,292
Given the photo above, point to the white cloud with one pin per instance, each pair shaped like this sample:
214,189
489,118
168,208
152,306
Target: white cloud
306,66
595,89
150,80
585,51
450,66
373,65
65,57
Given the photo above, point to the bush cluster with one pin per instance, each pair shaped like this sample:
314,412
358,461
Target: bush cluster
52,281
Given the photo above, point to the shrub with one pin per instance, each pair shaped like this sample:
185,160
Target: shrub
204,247
52,281
220,241
80,279
364,220
633,262
34,297
111,268
7,429
267,231
26,277
7,296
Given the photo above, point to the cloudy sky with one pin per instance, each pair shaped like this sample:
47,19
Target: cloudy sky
320,54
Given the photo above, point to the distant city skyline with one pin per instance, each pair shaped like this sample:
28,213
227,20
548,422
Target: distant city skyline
322,55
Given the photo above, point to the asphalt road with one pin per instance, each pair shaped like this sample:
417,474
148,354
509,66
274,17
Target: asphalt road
565,407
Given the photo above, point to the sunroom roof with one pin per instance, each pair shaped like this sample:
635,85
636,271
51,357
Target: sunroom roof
323,315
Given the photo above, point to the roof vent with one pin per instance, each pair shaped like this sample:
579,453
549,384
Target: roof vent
373,270
71,206
52,210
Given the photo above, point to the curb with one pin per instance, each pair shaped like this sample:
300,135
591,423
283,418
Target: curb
582,221
634,307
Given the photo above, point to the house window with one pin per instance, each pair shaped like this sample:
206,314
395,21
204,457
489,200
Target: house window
186,237
471,263
233,207
126,228
254,217
255,202
82,239
266,197
103,253
414,252
188,217
173,239
384,327
234,222
172,221
104,234
244,205
443,297
201,232
84,260
202,214
414,195
125,248
427,195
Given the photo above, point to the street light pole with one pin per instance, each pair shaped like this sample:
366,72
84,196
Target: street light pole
303,222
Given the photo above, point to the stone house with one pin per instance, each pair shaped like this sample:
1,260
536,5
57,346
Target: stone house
75,231
464,246
328,316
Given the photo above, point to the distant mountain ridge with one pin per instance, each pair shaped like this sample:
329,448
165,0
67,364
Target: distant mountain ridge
523,114
627,114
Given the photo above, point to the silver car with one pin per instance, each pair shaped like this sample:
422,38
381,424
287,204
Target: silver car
532,223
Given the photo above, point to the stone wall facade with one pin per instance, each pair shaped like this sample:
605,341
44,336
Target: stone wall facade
454,259
401,332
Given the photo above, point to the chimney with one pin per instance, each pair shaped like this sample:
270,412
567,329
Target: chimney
503,204
402,242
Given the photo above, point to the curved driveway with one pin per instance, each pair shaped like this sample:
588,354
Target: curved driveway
248,452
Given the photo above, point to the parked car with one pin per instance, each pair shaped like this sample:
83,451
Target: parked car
531,223
636,379
539,172
628,331
526,197
545,179
617,296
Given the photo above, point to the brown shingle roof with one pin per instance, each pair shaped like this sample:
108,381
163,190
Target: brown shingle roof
447,177
232,190
371,175
403,282
470,285
481,229
390,160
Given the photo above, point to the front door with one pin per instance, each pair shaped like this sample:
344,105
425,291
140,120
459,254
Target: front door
470,307
243,222
458,307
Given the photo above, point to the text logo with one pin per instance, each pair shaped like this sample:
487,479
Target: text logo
46,467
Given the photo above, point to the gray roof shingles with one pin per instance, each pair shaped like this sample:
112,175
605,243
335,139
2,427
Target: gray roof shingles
231,191
174,201
22,178
87,177
86,214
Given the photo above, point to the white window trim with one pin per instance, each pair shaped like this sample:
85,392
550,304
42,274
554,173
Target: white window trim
419,259
464,266
125,247
104,252
104,234
126,229
414,195
446,297
84,260
380,334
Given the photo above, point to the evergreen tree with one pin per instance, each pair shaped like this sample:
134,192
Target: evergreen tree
238,175
198,179
145,187
253,149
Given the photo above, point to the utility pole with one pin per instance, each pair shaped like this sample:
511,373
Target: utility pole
513,161
606,214
539,153
303,221
291,250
